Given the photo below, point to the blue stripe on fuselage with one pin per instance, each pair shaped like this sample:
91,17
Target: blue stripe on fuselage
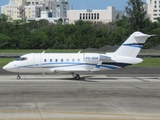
51,65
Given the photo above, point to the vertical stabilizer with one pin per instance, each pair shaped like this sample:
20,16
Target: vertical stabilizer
132,46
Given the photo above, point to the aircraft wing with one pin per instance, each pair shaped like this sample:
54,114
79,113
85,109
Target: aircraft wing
103,58
69,69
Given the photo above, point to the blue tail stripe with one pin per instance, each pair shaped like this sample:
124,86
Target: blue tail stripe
138,45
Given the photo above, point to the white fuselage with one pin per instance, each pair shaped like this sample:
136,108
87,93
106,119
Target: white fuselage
68,62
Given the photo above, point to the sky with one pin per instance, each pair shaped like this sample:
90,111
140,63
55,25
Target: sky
86,4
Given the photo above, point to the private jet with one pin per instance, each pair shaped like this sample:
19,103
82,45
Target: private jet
79,63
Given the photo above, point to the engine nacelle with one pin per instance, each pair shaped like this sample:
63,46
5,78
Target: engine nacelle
105,58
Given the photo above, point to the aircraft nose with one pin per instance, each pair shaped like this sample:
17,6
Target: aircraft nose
9,67
5,67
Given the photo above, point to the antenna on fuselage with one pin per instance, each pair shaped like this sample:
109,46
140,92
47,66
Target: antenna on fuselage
43,52
79,52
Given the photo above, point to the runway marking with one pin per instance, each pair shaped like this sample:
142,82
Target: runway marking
39,111
93,114
142,79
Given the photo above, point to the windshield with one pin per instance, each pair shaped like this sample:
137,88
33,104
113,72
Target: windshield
21,59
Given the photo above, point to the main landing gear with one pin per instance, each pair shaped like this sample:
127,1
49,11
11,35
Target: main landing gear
18,77
76,76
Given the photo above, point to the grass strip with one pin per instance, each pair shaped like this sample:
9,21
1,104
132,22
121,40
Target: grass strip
4,61
41,50
149,62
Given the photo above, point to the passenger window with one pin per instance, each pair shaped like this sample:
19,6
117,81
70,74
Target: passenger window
78,60
72,60
67,60
50,60
61,60
45,60
56,60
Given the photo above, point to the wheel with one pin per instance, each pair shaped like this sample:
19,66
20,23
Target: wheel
77,77
18,77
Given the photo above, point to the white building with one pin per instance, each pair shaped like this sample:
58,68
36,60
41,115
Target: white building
44,15
32,11
105,16
13,9
52,11
33,8
153,9
26,9
60,8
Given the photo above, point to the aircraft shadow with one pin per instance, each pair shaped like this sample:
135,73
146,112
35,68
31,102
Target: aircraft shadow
103,78
83,79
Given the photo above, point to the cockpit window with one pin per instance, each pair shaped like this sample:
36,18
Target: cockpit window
18,59
21,59
24,58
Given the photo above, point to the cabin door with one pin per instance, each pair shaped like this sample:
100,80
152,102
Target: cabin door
37,60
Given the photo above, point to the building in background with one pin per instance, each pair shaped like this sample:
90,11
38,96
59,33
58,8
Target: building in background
53,10
13,9
153,9
60,8
33,9
105,16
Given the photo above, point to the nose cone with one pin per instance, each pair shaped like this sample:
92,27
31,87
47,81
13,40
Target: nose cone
10,67
6,67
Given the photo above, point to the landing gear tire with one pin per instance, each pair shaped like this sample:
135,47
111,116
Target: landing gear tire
18,77
77,77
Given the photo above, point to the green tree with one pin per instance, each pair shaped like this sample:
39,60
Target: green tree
136,14
60,21
4,18
4,42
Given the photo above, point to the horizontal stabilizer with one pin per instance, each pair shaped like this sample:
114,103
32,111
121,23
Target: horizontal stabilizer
142,35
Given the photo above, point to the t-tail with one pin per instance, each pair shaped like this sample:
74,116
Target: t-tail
132,46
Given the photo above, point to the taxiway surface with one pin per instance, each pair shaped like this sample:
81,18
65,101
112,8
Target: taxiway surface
96,97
